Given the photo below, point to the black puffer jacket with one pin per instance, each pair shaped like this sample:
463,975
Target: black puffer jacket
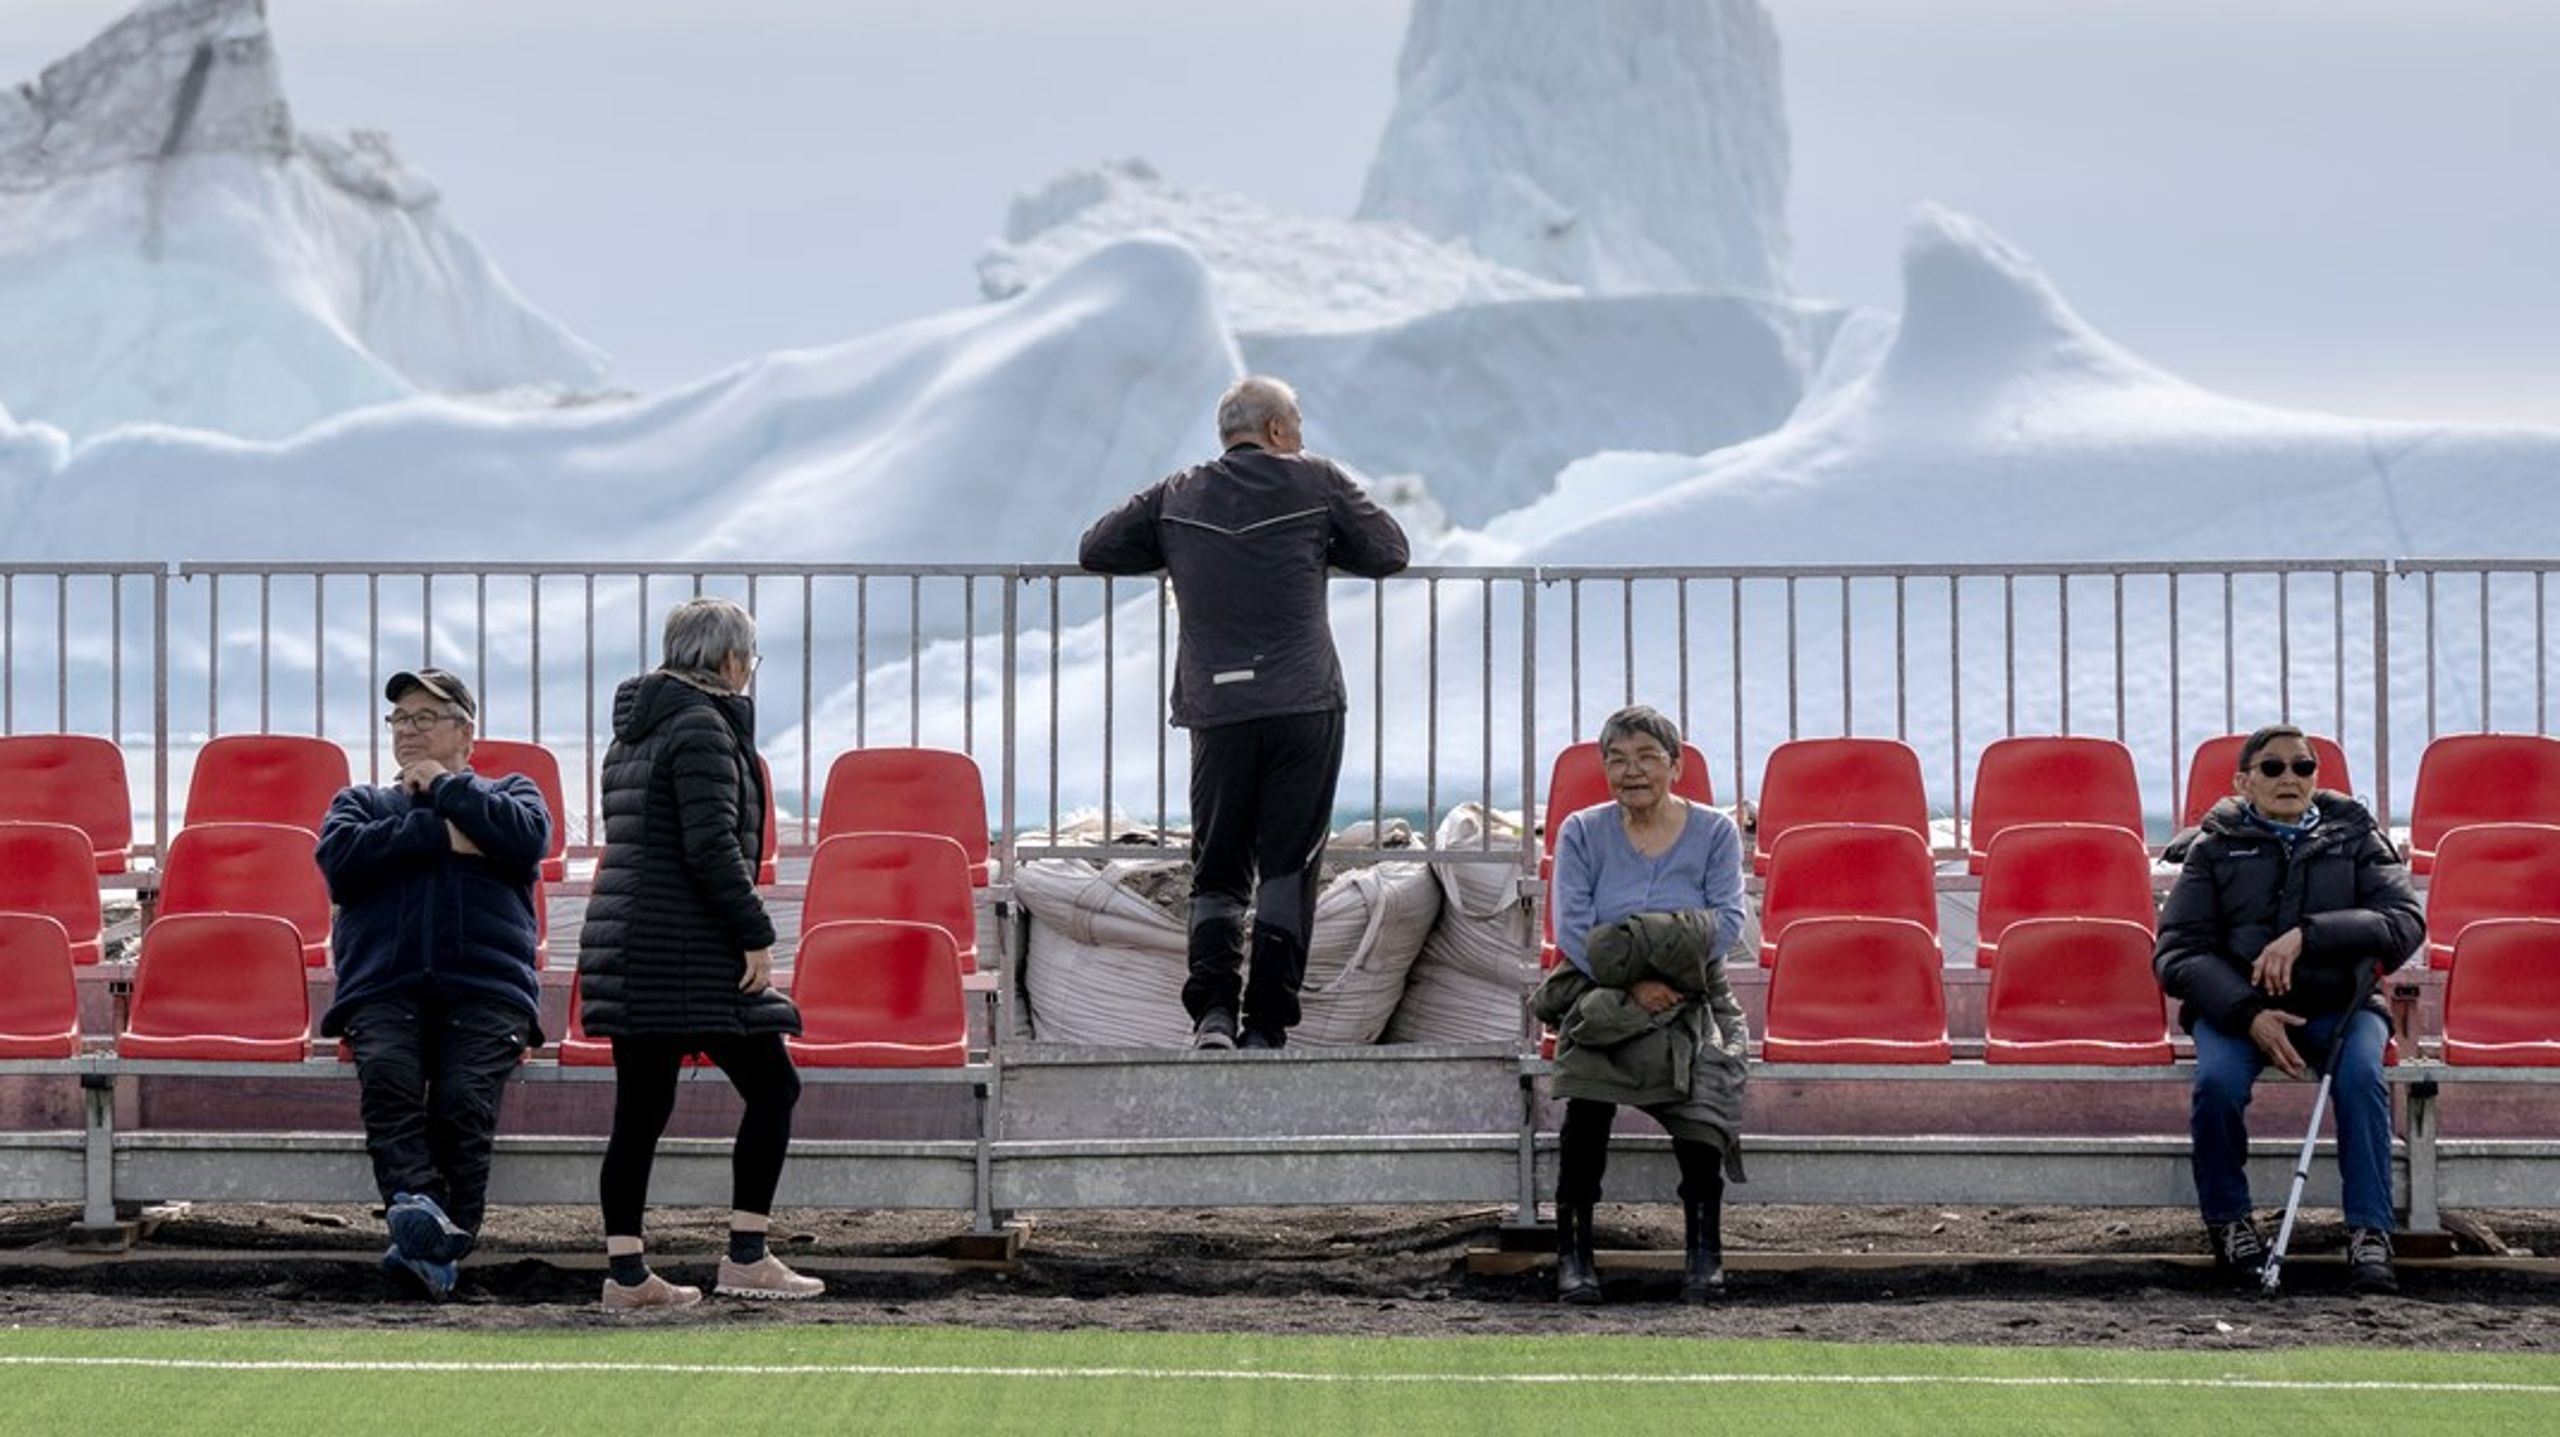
675,910
2343,885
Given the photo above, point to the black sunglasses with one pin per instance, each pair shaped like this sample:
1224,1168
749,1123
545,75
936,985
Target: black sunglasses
2275,767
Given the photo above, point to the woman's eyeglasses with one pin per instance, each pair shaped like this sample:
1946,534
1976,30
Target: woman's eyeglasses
2275,767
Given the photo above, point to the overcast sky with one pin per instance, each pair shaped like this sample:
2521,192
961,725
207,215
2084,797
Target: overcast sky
2343,204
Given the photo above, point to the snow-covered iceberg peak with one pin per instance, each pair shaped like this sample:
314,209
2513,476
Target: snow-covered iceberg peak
1632,145
179,76
173,249
1979,317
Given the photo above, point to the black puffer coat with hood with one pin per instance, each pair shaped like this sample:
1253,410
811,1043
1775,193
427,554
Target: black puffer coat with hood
675,910
2342,884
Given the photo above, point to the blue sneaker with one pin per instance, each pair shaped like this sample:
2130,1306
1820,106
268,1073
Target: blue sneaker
420,1229
437,1278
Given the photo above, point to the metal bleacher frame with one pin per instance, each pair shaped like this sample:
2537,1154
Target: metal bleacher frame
1059,1126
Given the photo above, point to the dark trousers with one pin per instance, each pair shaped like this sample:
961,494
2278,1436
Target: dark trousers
644,1097
1261,805
429,1075
1583,1157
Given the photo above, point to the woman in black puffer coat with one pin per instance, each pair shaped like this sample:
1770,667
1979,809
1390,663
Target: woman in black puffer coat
677,954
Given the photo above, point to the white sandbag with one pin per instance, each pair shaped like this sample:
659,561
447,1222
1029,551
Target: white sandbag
1108,948
1467,985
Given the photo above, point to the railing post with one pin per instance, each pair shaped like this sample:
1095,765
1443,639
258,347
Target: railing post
2382,695
160,711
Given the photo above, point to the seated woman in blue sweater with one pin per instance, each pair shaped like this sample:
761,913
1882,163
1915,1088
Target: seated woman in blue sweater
1647,851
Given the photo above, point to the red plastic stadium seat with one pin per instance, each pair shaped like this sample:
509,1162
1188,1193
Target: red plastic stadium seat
1838,780
2051,780
39,998
879,995
2209,774
2490,870
769,867
497,758
2062,870
73,779
263,868
2471,778
224,987
266,778
2076,990
2502,1001
909,790
1829,870
1857,990
49,868
577,1050
898,877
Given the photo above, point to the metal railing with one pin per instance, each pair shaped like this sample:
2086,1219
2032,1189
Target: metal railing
1462,682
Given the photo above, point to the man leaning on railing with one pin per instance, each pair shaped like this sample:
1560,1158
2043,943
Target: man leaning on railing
1247,539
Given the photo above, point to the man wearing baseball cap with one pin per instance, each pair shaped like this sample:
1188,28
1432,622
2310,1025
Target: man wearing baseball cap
433,876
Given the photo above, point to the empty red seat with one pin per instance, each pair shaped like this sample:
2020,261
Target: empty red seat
266,778
2490,870
1838,780
39,998
249,868
2051,779
1857,990
2062,870
497,758
73,779
222,987
49,868
909,790
2076,990
2471,778
2217,759
1829,870
879,995
2502,1000
898,877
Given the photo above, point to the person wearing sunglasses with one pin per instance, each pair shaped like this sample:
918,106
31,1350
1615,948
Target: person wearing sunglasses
433,876
676,957
2285,900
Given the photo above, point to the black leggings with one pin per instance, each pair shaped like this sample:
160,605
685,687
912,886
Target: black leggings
644,1097
1583,1157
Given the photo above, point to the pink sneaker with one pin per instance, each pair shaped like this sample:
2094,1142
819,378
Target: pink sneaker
655,1292
765,1279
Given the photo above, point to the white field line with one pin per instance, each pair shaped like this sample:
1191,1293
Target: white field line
1213,1374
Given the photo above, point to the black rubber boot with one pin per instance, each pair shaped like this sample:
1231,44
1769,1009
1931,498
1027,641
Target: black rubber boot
1577,1278
1702,1277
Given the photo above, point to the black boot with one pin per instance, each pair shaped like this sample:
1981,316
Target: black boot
1577,1279
1702,1278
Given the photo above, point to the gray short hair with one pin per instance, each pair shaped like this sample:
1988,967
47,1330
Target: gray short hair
1641,720
701,633
1252,402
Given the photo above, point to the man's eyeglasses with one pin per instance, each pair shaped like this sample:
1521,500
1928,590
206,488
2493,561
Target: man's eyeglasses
417,720
2275,767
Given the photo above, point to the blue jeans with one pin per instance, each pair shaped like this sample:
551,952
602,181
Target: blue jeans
2227,1067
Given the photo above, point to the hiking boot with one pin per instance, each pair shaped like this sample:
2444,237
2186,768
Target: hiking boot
765,1279
1577,1276
2369,1261
436,1279
1702,1274
1216,1032
420,1229
651,1291
2238,1249
1263,1040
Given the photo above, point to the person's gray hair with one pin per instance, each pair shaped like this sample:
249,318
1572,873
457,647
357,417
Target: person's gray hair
1252,402
1641,720
701,633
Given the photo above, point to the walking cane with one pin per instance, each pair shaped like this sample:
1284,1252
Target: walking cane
2268,1276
